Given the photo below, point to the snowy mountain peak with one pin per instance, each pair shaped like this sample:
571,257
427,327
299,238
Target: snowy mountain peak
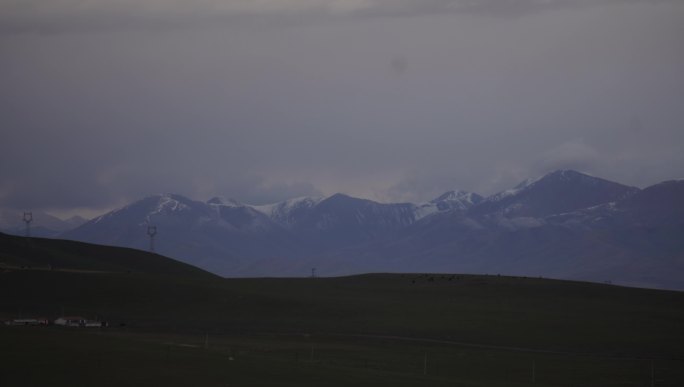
557,176
221,201
341,196
455,200
216,200
286,212
568,175
167,203
458,195
560,191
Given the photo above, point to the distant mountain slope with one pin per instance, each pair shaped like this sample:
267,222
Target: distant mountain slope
658,204
39,253
564,225
558,192
43,225
220,236
342,220
634,240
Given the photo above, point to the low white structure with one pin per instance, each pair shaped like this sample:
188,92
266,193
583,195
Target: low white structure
79,322
70,321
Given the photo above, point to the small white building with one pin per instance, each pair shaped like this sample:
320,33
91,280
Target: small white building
70,321
79,322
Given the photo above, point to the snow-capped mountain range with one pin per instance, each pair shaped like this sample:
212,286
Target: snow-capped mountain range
564,225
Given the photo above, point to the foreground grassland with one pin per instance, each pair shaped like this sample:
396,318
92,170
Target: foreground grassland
370,330
506,311
57,357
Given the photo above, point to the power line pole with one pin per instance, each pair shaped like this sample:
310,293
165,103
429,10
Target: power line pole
425,364
152,232
28,218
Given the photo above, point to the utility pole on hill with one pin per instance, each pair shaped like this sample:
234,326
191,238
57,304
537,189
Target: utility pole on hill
28,218
151,232
425,364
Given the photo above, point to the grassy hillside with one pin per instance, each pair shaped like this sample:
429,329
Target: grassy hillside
377,329
40,253
525,312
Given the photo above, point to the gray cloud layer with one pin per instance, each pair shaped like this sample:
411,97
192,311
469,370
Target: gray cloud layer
59,16
118,105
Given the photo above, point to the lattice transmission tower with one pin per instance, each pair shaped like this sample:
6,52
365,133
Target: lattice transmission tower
152,232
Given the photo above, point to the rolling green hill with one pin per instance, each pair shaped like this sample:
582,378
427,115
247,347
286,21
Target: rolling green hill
376,329
46,254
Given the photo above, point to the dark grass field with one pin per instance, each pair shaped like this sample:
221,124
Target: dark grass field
185,328
61,357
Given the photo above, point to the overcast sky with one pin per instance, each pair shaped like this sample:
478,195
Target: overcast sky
106,101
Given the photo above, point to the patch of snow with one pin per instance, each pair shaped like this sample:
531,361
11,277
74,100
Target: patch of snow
266,209
219,201
608,206
459,196
516,190
168,204
282,209
456,199
425,209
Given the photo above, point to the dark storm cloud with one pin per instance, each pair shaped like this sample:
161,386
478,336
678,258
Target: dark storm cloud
276,104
